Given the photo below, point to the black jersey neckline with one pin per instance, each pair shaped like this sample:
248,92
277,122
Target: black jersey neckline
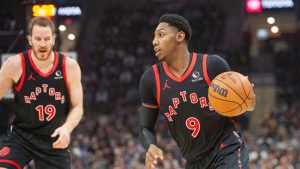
37,69
186,73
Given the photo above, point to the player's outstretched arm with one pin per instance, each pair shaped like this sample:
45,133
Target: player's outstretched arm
10,70
76,111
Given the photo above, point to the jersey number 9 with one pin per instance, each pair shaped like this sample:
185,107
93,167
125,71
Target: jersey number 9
193,123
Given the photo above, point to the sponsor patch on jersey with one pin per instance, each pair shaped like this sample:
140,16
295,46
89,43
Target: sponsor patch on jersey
58,75
196,76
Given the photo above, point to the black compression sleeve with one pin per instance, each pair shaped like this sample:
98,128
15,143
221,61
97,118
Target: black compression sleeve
216,65
148,118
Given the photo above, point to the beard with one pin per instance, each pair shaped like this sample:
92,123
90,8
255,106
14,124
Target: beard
42,54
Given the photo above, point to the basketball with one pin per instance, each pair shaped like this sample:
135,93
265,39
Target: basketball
230,93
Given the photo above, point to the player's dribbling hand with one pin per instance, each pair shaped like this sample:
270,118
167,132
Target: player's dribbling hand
152,156
63,139
253,103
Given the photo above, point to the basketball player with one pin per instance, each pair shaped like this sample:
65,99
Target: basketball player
48,102
177,88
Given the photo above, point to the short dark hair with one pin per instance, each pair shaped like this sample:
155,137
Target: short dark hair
41,21
179,22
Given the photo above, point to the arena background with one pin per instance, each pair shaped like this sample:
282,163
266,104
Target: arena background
111,40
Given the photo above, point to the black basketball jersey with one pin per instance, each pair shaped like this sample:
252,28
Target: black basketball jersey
41,100
183,102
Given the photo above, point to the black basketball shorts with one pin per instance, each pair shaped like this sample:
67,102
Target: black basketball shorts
231,153
20,147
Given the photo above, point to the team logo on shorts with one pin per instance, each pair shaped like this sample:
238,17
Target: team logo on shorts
58,75
4,151
196,76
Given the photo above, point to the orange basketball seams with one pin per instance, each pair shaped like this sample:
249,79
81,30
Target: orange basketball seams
230,93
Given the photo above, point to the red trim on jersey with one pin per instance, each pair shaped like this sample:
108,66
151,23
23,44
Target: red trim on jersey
19,86
11,163
204,65
185,75
64,70
38,71
239,158
157,82
239,150
234,122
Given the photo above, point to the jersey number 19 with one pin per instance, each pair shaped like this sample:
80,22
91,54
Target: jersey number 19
49,110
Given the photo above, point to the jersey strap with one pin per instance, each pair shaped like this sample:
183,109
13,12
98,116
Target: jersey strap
19,85
204,66
157,82
64,70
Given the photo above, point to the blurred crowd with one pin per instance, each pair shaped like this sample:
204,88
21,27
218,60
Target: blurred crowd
277,144
7,22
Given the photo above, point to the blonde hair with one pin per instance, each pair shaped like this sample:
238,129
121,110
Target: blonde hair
41,21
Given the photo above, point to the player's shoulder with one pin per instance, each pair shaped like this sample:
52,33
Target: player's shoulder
69,60
13,62
148,75
209,56
71,63
215,58
12,67
201,56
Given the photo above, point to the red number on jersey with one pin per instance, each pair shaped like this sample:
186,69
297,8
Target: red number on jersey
193,123
50,110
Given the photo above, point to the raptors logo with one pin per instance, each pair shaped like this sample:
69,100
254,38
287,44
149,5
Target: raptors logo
4,151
